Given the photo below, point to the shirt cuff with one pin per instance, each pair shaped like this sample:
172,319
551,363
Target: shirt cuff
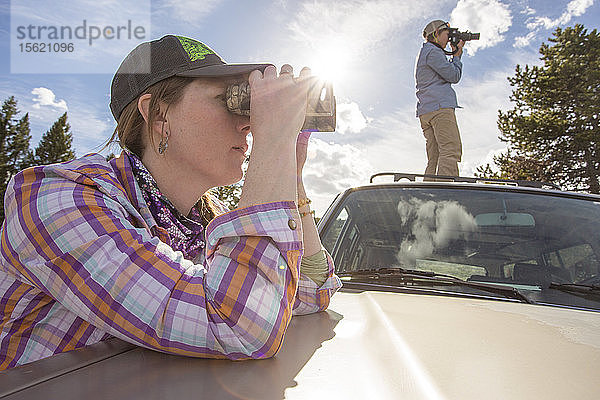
276,220
315,267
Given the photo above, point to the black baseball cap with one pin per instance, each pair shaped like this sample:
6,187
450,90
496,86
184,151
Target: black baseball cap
171,55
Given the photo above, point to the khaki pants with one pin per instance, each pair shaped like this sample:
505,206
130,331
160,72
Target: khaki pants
442,142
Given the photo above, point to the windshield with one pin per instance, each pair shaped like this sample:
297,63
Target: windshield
527,241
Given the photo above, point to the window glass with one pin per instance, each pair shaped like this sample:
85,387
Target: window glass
462,271
330,239
580,262
533,242
471,234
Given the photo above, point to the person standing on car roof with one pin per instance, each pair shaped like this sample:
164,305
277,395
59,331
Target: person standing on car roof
436,100
138,248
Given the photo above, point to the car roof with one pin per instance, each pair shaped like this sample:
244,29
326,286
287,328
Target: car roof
403,179
448,178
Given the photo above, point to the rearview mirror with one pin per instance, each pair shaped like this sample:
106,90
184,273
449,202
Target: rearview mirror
504,219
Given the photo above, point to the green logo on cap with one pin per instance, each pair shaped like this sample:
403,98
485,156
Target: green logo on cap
195,49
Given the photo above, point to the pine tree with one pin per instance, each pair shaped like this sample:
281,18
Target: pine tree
553,132
55,145
19,154
14,145
7,129
229,195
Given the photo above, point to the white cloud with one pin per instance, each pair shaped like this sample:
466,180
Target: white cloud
349,118
332,168
45,97
523,41
350,29
354,22
491,18
91,51
395,142
431,225
90,131
528,11
335,167
91,126
469,166
477,121
575,8
191,11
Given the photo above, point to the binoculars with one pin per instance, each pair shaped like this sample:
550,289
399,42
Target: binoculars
320,110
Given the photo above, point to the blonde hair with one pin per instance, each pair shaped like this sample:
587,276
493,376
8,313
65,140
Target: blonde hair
129,133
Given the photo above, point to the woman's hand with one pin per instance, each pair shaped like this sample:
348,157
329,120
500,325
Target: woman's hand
278,103
277,112
458,48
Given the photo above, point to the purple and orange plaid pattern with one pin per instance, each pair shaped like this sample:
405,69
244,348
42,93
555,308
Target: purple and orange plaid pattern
81,260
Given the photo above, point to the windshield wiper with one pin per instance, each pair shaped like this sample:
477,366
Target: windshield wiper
576,287
396,271
435,277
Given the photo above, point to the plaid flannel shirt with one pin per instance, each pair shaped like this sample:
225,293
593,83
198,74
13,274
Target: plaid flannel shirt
82,259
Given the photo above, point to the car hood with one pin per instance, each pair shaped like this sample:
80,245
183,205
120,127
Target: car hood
430,347
371,345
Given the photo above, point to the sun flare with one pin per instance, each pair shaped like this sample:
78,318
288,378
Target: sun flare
330,64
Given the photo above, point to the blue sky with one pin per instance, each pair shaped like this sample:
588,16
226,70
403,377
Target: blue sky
366,47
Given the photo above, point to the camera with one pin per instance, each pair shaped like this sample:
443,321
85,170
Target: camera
454,36
320,110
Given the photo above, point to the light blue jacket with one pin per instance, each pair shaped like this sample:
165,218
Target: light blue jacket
434,75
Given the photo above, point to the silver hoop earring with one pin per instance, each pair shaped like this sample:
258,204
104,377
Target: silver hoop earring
164,143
